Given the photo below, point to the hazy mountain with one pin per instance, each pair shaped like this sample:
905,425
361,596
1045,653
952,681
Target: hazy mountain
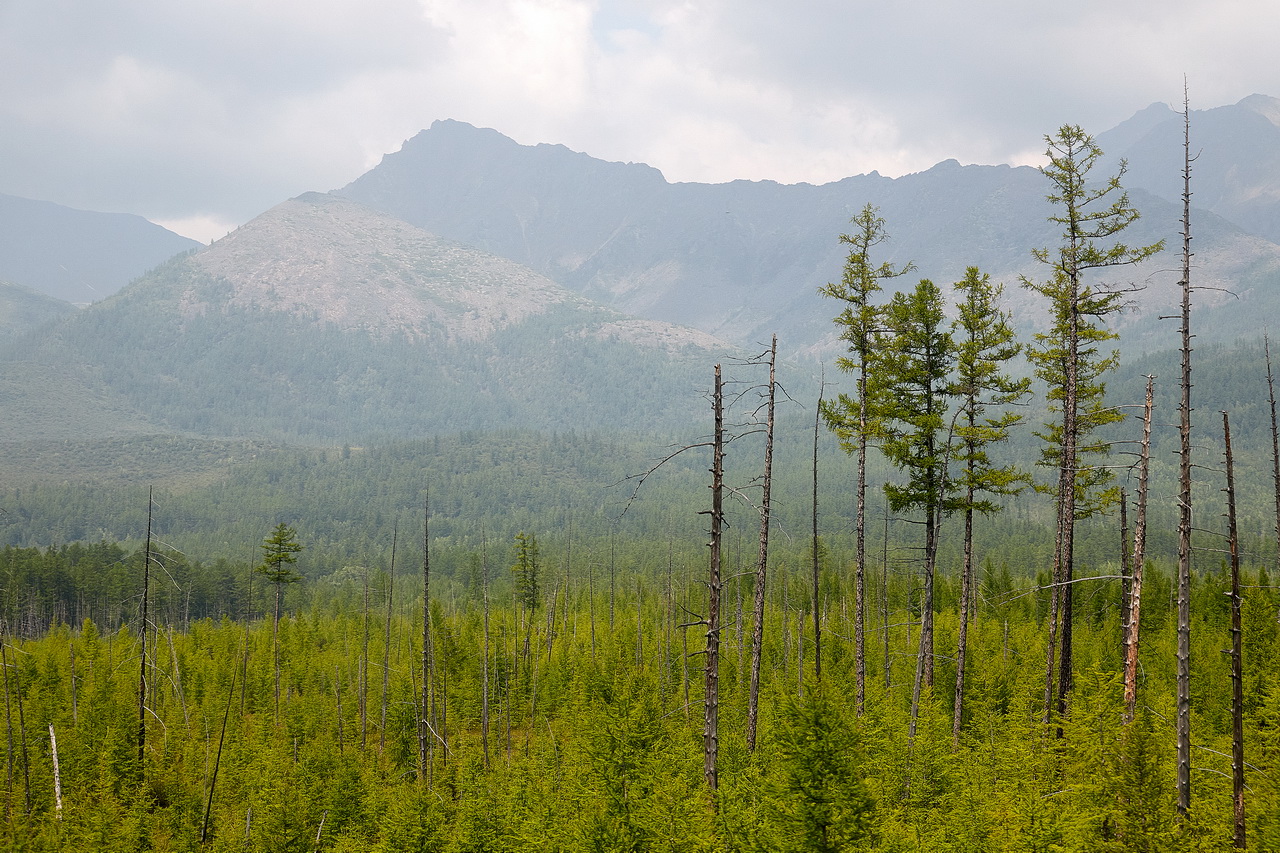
744,259
22,310
1236,172
77,255
324,319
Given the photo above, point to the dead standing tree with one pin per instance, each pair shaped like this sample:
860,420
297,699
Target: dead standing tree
1237,674
1133,601
711,620
757,631
1275,442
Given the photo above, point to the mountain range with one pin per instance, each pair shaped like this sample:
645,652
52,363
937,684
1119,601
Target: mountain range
78,256
744,259
468,282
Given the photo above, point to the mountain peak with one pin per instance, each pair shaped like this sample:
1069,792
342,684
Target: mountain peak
350,267
1264,105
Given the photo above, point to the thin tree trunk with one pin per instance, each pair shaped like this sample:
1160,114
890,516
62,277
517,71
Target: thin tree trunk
1126,571
966,584
711,708
800,652
859,574
71,648
924,653
884,600
364,668
142,638
1133,618
639,627
1275,443
8,719
337,699
57,774
484,683
386,643
426,643
22,729
217,759
1237,674
857,613
568,568
1184,492
1055,601
591,602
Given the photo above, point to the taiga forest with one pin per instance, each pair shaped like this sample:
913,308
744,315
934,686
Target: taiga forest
351,532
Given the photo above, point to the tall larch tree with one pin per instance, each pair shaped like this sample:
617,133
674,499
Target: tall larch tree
279,555
853,417
1070,357
985,344
915,363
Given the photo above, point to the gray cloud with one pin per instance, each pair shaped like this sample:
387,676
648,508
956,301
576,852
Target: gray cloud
204,113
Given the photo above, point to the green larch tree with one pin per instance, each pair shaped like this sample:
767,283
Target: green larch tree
917,356
985,343
1071,356
279,555
853,417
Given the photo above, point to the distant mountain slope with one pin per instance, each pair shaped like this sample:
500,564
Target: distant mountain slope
77,255
324,319
744,259
22,310
1236,172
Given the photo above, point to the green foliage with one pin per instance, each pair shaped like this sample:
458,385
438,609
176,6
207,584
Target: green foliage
985,345
915,367
855,418
525,571
279,554
821,802
1069,357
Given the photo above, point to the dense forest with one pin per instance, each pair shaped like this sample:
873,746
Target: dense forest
593,695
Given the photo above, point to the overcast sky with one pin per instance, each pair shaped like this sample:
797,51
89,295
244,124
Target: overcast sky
200,114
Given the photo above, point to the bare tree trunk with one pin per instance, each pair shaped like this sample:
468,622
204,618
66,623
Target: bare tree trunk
386,642
71,649
142,638
1237,674
551,622
884,600
8,720
966,585
217,760
337,700
1126,571
800,652
711,679
860,539
860,672
22,725
1055,603
426,642
57,774
639,626
1184,492
1275,443
484,683
364,668
591,602
924,654
1133,618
